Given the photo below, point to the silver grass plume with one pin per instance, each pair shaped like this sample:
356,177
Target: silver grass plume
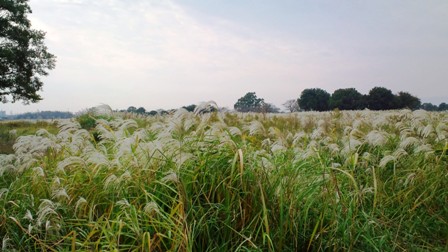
47,209
170,177
102,109
386,159
80,203
60,194
70,161
206,107
255,128
426,131
151,208
376,138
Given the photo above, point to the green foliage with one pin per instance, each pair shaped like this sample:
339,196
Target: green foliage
406,100
141,110
347,99
314,99
443,106
429,107
332,181
132,109
249,103
11,130
23,55
381,98
87,121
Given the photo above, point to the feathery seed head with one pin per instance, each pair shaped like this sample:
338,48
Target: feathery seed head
60,194
376,138
151,208
38,171
170,177
386,159
81,202
28,215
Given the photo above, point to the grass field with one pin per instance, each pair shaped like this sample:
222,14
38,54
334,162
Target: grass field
359,181
10,130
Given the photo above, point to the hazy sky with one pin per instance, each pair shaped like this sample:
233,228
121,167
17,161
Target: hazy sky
166,54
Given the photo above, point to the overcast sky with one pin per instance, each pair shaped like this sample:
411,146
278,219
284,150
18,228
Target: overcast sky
167,54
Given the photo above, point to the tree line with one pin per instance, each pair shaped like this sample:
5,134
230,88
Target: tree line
316,99
378,98
41,115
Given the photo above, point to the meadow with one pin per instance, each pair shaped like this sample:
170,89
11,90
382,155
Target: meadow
308,181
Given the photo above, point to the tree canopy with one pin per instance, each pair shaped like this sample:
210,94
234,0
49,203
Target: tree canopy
381,98
249,103
23,55
346,99
314,99
406,100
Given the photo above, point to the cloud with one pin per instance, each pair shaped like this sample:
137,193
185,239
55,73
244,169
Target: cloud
163,54
158,48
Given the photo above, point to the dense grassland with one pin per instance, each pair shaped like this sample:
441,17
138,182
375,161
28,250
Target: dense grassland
359,181
10,130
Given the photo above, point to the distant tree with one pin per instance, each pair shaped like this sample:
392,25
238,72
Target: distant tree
152,113
381,98
140,110
44,115
269,108
249,103
429,107
190,108
346,99
443,106
291,105
132,109
314,99
406,100
23,55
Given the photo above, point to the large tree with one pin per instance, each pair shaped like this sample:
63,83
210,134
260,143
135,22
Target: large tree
23,55
346,99
249,103
381,98
406,100
314,99
443,106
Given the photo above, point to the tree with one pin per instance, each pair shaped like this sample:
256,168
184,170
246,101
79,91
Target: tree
443,106
132,109
291,105
269,108
429,107
249,103
314,99
140,110
346,99
380,98
406,100
23,55
153,113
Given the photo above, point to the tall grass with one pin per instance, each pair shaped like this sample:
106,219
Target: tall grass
360,181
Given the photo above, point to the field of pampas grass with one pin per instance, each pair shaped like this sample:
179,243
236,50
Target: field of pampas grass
358,181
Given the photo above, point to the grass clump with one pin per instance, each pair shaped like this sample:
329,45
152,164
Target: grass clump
10,130
356,181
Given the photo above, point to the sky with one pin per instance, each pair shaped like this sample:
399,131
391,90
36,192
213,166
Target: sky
162,54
